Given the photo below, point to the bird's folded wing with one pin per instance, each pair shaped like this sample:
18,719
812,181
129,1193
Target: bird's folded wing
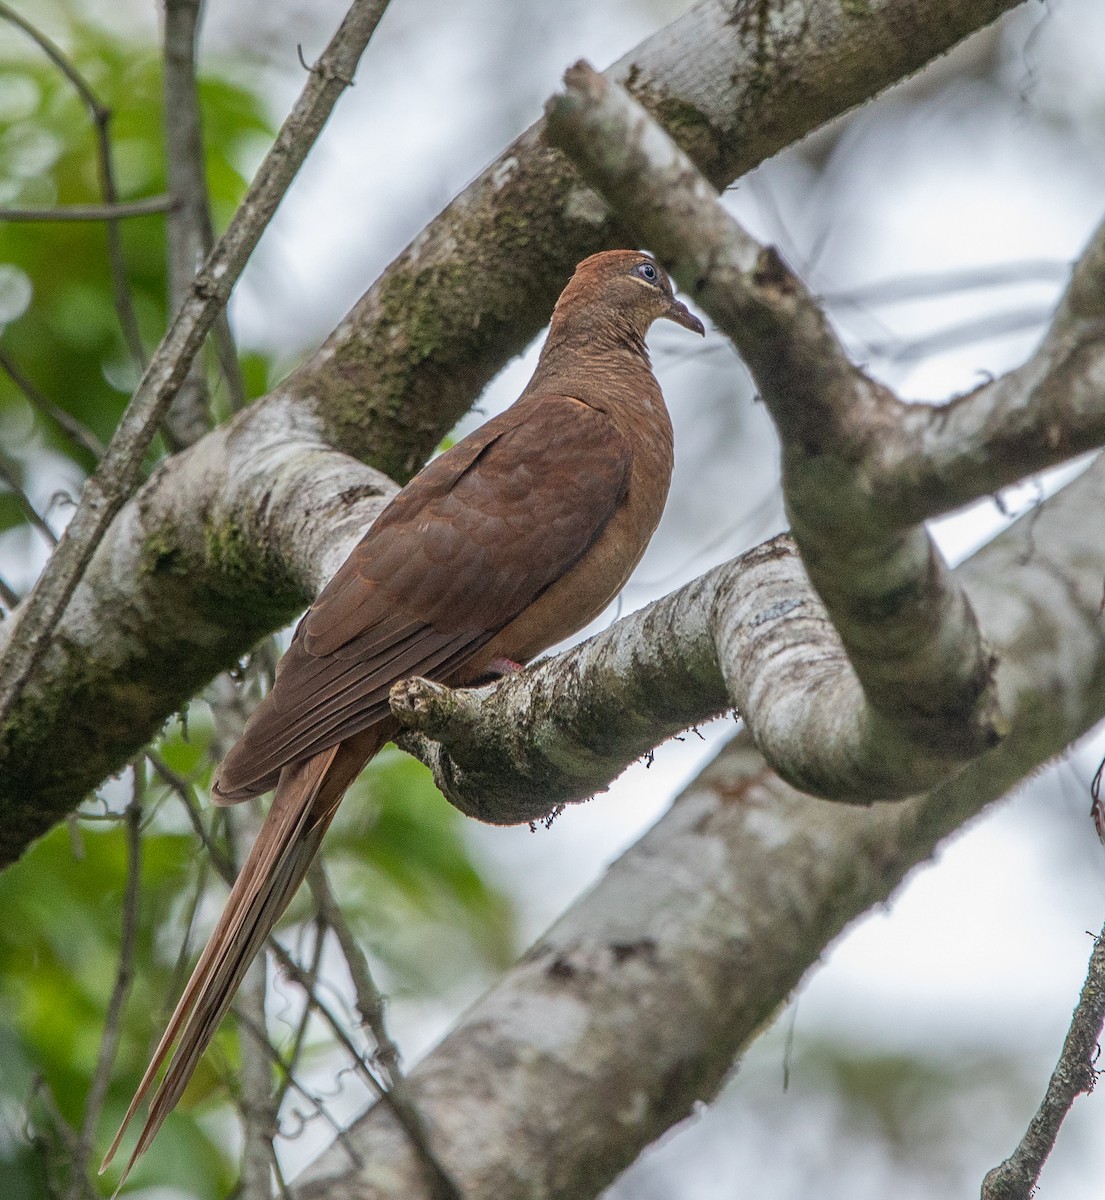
465,548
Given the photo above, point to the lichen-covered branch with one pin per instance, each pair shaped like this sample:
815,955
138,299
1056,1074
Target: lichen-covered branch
924,675
753,635
634,1005
224,544
732,82
119,470
187,579
750,635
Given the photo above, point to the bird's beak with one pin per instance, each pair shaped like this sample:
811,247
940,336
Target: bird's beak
679,313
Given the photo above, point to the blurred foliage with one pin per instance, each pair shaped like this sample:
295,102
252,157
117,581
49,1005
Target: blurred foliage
823,1113
56,307
399,863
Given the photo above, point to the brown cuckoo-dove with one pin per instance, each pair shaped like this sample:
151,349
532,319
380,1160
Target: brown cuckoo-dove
512,540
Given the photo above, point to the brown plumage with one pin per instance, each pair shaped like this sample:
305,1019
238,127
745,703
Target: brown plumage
509,542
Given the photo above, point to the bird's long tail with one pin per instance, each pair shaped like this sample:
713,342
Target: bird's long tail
306,799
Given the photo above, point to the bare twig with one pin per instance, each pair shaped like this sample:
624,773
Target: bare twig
285,1066
370,1001
77,1183
119,470
962,333
1074,1074
9,474
101,120
906,289
190,233
8,595
370,1006
42,403
226,353
278,1175
186,793
299,1036
150,206
124,976
255,1087
299,976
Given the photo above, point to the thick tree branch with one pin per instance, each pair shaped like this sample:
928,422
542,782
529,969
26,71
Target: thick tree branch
733,82
182,579
118,472
909,633
1075,1074
750,635
634,1005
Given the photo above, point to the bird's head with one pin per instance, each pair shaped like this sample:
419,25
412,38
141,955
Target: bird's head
622,289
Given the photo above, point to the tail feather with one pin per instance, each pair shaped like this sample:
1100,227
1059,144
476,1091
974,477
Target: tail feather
304,805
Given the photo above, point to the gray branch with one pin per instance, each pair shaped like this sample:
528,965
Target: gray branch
214,553
634,1006
189,232
118,472
1075,1074
920,702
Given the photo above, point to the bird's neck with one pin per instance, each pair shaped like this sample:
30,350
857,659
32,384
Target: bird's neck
590,347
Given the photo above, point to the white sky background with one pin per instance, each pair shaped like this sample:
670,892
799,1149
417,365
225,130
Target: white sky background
994,157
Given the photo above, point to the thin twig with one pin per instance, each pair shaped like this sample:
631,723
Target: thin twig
299,1037
182,963
226,352
78,1182
101,120
42,403
278,1174
124,977
1074,1074
186,792
150,206
108,488
8,594
369,999
905,289
255,1091
962,333
370,1005
10,475
298,975
286,1071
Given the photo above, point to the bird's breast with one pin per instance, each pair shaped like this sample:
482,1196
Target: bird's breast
582,593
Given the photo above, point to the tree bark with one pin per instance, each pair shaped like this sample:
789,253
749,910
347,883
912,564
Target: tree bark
214,552
638,1000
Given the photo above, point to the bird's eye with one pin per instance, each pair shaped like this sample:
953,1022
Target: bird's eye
647,271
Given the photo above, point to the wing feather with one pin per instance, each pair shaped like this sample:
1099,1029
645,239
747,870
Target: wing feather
469,544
